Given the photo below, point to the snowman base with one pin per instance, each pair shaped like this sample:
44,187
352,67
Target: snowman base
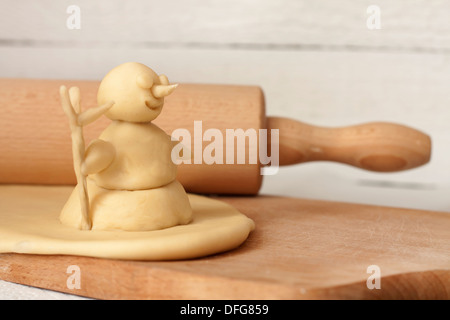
137,210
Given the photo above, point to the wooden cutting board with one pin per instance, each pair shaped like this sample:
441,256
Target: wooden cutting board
301,249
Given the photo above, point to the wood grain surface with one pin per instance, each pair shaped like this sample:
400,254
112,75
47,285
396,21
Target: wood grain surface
35,134
301,249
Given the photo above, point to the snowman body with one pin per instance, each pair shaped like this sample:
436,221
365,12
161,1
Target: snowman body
143,157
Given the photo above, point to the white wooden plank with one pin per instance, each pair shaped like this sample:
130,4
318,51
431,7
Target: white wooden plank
421,25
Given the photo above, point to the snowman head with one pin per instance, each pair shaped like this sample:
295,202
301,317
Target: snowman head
137,91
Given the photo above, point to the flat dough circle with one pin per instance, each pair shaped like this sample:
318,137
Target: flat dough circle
216,227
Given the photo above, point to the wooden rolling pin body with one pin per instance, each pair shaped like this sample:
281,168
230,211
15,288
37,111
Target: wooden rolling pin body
36,148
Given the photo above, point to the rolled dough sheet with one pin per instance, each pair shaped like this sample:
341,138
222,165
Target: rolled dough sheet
29,223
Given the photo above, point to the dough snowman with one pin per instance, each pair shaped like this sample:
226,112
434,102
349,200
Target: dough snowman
126,194
131,178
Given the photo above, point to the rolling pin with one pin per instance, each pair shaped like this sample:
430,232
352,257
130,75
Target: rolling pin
35,140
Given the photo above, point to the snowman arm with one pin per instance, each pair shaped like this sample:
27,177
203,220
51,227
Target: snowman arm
92,114
99,155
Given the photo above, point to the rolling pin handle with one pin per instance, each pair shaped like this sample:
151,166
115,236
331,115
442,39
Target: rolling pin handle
376,146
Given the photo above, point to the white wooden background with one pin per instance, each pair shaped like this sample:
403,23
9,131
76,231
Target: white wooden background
316,61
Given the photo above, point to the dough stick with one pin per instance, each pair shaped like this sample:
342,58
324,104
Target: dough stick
71,105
